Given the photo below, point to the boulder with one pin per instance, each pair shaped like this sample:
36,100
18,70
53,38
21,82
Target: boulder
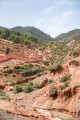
44,82
10,88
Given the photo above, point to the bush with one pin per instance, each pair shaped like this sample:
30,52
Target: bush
76,54
65,78
62,87
36,86
8,71
46,62
14,75
74,62
29,65
18,69
39,74
50,81
66,83
55,67
4,96
18,88
30,83
7,50
30,71
6,66
53,91
6,74
28,88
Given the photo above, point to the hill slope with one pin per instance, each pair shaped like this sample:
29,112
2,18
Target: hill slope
74,34
34,31
2,28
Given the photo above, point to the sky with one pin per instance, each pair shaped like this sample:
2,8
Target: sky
51,16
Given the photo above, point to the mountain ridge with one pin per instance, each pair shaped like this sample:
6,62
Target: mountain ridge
73,34
34,31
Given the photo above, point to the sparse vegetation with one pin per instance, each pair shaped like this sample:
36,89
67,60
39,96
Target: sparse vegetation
50,81
18,88
4,96
65,78
28,87
30,71
55,67
74,62
64,86
53,91
9,71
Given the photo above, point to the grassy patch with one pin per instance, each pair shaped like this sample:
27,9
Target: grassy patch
65,78
4,96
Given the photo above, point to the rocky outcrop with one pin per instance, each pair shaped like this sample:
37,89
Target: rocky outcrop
68,92
44,82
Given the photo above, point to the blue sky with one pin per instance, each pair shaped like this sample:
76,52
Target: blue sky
51,16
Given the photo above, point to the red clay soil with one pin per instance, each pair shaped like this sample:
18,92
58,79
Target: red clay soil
13,56
65,102
13,108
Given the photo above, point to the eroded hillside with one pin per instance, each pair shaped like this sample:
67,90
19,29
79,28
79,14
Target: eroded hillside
41,78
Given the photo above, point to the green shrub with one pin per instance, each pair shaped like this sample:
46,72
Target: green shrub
46,62
28,88
30,71
6,74
8,71
36,86
18,88
30,83
53,91
14,75
50,81
75,53
6,66
4,96
29,65
18,69
62,87
39,74
65,78
55,67
74,62
7,50
67,83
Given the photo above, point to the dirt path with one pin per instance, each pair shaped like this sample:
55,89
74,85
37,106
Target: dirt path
8,116
14,110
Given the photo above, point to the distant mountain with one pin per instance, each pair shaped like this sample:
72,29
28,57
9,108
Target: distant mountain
74,34
34,31
2,28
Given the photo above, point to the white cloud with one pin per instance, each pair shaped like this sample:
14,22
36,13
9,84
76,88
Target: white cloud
54,25
47,10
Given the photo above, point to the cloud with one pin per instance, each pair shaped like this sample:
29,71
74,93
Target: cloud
47,10
56,24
